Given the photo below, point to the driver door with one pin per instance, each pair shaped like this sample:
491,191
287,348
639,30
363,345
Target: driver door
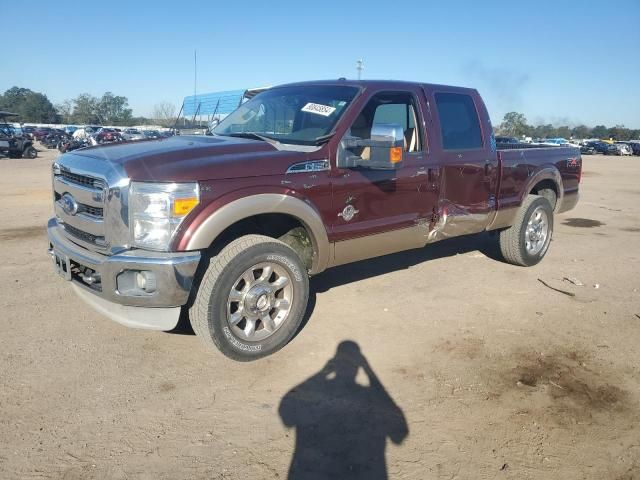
379,211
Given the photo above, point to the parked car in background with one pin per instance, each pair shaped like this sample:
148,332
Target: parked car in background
70,129
131,134
28,130
151,134
509,140
623,148
13,141
635,147
556,141
108,135
40,133
588,148
605,148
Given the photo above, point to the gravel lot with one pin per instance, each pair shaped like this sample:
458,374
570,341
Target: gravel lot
493,375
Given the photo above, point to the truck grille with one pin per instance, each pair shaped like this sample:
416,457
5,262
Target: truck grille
82,208
85,224
83,180
90,194
95,211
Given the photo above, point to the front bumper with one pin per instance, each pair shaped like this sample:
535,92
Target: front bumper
173,272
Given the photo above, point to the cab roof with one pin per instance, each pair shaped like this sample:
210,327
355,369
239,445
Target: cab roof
379,84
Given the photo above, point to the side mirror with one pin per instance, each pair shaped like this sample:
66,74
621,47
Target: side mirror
388,134
383,151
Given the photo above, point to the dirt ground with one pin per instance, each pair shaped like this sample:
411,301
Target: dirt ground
471,368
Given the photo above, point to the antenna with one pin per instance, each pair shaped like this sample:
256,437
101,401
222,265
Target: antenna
195,79
360,67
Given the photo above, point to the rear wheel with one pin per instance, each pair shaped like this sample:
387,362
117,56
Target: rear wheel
252,298
30,152
528,239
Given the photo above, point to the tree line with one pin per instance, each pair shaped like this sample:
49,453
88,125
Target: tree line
110,109
515,124
85,109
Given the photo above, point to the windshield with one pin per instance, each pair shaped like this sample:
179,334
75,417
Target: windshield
298,115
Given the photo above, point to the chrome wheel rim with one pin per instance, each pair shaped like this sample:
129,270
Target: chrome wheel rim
259,301
537,231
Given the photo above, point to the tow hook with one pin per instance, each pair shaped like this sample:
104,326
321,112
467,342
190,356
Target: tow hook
90,278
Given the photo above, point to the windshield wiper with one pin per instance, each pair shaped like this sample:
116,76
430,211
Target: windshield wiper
253,135
323,138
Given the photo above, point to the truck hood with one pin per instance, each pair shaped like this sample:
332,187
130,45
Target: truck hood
195,158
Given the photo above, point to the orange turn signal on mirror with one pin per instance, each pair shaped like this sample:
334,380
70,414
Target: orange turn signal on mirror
395,154
182,206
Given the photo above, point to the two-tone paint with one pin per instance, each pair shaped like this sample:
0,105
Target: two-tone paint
434,194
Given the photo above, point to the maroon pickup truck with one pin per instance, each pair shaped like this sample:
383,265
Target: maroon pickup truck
300,178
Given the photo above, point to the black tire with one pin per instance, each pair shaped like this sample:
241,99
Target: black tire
30,152
208,315
513,240
550,195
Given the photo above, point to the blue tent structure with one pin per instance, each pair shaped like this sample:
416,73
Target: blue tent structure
217,103
213,103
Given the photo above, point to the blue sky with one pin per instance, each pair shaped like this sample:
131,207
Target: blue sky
562,62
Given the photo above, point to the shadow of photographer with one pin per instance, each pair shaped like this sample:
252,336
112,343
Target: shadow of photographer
341,426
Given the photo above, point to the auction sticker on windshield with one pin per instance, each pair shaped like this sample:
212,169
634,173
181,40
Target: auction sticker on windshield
318,109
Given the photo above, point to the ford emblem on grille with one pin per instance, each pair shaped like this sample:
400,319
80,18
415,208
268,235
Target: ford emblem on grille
69,204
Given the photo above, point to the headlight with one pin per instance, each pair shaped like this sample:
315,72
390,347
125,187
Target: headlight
157,209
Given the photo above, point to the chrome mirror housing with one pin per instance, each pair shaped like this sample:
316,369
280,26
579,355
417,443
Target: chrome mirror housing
388,134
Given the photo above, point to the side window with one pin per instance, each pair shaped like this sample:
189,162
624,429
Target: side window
459,124
390,107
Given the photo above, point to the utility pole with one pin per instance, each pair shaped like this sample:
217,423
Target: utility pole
360,67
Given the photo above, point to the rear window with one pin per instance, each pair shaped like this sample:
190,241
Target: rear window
459,123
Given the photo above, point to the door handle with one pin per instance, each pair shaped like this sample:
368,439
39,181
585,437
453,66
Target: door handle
487,166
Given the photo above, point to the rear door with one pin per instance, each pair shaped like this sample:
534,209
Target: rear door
468,163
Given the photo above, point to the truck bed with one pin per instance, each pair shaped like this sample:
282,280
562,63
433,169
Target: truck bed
521,162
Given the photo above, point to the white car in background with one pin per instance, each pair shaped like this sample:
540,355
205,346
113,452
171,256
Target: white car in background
558,142
131,134
624,148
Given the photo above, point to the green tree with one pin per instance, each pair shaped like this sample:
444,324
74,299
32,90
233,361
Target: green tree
514,124
31,106
112,109
619,132
563,132
600,131
544,131
85,109
581,131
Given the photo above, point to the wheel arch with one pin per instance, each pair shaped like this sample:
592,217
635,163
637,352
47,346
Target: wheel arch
259,205
546,178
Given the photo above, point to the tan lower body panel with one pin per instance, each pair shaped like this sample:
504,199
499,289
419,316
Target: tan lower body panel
361,248
448,226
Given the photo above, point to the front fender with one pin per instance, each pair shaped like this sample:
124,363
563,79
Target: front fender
218,221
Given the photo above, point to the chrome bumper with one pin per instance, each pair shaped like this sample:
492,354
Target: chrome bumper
174,273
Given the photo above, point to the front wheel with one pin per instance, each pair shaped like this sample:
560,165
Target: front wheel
252,298
526,242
